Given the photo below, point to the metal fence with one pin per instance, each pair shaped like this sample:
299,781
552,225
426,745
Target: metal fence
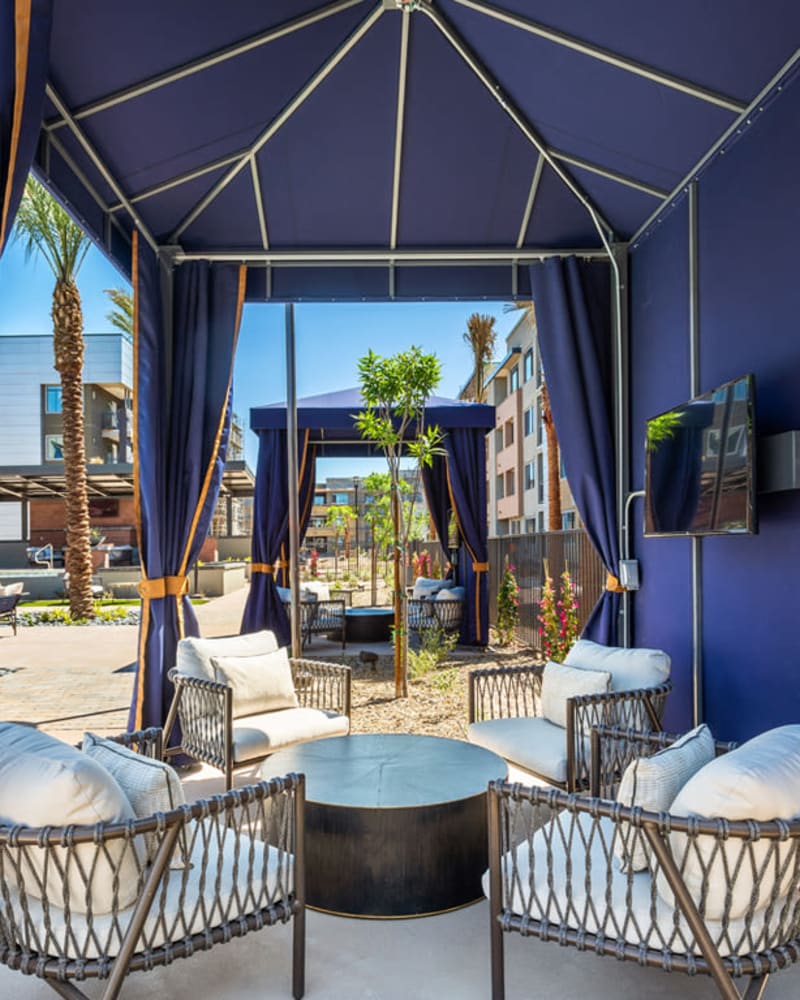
528,554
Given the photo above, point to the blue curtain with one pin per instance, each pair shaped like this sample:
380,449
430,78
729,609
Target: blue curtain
182,398
434,482
573,319
466,474
270,562
24,64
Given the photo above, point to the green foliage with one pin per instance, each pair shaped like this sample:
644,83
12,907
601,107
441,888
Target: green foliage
435,646
44,226
661,429
445,680
121,316
507,608
558,618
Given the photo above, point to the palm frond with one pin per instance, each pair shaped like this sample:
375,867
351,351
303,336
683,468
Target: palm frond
121,317
45,227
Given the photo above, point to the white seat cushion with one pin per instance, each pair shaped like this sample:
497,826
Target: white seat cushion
11,589
188,903
194,654
45,782
630,669
560,683
260,683
589,893
759,780
258,735
534,744
651,783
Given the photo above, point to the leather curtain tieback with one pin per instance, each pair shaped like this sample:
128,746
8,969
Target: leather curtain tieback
271,568
164,586
613,585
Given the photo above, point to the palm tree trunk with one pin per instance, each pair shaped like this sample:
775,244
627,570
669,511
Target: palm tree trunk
68,347
553,465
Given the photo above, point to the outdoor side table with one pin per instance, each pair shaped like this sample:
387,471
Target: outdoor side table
395,824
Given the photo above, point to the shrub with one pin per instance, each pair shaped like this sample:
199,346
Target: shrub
558,618
507,608
435,646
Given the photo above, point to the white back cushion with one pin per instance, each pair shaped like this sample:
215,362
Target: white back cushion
759,780
653,782
452,594
630,669
260,683
150,786
11,588
560,683
45,782
425,586
194,654
318,589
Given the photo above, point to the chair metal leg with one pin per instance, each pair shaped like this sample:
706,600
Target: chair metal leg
757,987
66,990
495,896
299,930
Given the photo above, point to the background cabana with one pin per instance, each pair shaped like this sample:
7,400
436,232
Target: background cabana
389,150
325,426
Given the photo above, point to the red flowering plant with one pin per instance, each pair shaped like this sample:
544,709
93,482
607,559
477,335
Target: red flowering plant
507,608
558,618
313,563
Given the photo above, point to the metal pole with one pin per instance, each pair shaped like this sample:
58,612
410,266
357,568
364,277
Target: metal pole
694,389
355,505
292,472
619,292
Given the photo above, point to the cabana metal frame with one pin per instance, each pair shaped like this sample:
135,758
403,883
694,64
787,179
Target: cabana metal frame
439,119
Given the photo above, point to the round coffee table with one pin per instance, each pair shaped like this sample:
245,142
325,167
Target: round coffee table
395,824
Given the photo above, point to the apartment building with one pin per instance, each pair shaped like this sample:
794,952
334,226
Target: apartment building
31,443
517,459
349,491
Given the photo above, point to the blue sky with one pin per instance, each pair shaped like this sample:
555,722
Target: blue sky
330,338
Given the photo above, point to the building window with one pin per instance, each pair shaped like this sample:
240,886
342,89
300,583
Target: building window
527,366
530,525
53,399
53,448
498,439
510,486
528,418
341,498
540,518
539,421
568,520
513,383
319,499
540,476
509,433
499,487
530,476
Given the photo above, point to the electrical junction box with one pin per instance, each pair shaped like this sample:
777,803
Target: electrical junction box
629,573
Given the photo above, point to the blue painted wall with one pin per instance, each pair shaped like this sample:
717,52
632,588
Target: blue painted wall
749,297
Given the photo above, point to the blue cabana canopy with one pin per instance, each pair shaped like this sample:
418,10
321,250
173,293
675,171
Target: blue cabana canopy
412,149
326,426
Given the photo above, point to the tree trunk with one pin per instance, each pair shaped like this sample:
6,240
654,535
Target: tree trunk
373,565
400,680
553,465
68,347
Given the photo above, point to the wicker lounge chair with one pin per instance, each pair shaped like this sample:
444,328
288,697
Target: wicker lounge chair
508,716
220,728
8,610
320,618
426,613
717,897
245,871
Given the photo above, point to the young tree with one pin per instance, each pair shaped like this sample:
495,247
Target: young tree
378,515
394,391
480,335
339,517
44,227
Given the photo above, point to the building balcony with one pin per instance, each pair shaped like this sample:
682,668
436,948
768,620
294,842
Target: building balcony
506,459
509,506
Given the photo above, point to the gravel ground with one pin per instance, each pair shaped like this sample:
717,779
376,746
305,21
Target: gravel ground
436,704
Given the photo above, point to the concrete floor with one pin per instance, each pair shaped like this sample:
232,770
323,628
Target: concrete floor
71,679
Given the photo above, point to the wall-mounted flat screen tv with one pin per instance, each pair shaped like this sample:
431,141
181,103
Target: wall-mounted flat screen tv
700,465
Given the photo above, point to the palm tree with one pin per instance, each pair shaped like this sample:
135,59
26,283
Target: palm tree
554,522
480,335
45,227
121,316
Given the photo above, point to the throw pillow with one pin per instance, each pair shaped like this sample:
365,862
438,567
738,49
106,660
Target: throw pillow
194,654
452,594
560,683
760,780
260,683
150,785
651,783
46,782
